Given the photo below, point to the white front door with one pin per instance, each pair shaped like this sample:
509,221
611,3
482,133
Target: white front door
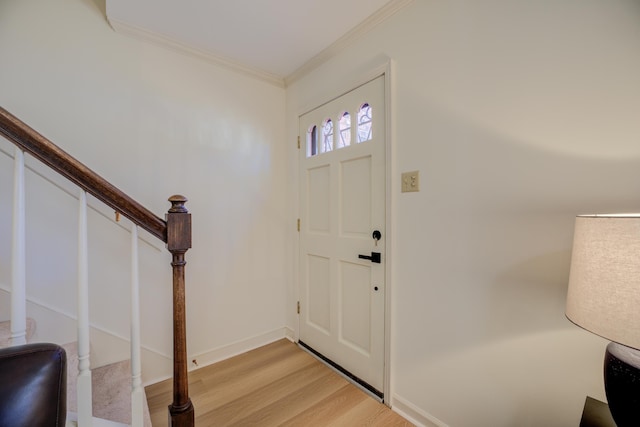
342,214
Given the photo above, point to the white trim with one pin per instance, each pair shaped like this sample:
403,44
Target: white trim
18,324
58,311
84,386
390,248
290,334
351,36
327,53
204,358
137,392
385,68
377,70
168,42
414,414
227,351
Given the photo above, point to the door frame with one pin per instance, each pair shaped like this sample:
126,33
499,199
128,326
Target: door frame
385,68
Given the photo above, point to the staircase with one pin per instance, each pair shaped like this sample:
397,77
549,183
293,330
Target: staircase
111,385
110,395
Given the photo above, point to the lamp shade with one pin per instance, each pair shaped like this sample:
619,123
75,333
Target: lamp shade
604,282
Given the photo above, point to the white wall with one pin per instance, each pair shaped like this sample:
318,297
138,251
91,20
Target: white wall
518,115
155,123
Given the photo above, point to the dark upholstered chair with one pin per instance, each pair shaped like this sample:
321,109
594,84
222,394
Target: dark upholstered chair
33,386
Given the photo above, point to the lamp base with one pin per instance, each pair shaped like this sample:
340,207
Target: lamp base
622,384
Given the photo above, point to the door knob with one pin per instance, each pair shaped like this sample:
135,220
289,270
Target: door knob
374,257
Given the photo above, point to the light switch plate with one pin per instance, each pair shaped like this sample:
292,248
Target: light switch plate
410,181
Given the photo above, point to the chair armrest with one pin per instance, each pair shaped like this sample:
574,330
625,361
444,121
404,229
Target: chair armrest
33,386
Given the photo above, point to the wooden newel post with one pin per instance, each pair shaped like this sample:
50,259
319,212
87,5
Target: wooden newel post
181,413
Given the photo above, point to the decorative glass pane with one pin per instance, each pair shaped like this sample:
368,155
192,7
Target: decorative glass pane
312,141
327,136
364,123
345,130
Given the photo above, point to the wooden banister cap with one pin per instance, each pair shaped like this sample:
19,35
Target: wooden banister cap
177,203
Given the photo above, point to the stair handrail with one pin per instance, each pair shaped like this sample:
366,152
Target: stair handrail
175,232
30,141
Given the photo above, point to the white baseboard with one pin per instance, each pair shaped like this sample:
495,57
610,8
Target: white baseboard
414,414
54,325
109,347
289,334
226,351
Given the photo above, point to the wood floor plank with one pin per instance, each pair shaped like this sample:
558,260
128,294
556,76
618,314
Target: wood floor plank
275,385
391,419
259,399
366,413
262,380
295,402
330,408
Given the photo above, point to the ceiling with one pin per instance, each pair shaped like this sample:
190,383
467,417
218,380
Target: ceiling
274,37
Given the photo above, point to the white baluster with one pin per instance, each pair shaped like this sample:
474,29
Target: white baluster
137,395
18,268
84,371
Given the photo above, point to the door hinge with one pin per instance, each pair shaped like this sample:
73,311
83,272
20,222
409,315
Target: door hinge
298,224
298,309
298,142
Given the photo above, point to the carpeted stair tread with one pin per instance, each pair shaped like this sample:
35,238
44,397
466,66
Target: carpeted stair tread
111,389
111,386
5,331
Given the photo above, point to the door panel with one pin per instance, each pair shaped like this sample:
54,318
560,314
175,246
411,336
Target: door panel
355,327
318,179
342,202
356,189
319,293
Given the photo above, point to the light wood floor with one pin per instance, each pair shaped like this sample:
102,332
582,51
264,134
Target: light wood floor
275,385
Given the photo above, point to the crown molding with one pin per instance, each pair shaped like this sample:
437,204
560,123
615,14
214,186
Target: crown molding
167,42
354,34
332,50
